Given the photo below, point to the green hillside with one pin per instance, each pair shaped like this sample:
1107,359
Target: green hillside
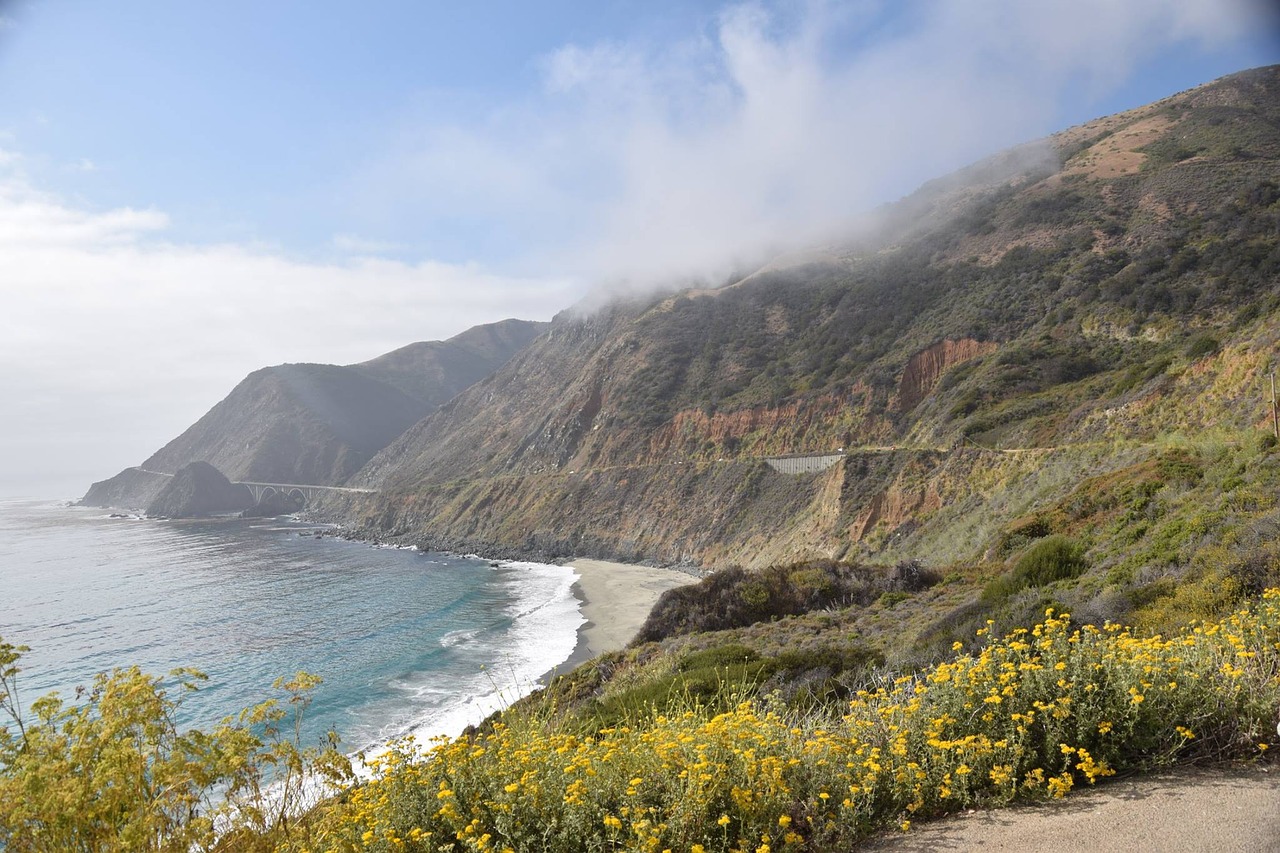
1046,378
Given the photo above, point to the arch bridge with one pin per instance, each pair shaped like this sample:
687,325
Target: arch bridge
298,494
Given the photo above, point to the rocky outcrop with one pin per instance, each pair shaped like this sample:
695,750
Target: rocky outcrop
816,425
199,490
132,488
927,366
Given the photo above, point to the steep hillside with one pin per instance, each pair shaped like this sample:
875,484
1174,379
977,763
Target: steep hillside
295,423
132,488
436,371
318,423
1063,311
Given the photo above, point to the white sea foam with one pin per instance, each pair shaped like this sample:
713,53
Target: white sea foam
545,618
453,638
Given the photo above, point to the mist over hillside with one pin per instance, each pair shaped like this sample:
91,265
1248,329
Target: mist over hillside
1015,316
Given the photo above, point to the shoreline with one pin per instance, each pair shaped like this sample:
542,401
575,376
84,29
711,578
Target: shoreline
606,605
614,599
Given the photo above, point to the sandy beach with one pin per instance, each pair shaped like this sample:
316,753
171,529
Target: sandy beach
616,598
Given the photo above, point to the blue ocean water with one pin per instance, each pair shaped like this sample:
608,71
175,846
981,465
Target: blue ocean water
406,642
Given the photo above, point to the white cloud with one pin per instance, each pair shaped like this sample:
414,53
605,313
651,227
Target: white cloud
112,342
779,124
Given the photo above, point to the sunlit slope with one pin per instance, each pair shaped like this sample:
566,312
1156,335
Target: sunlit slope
1115,282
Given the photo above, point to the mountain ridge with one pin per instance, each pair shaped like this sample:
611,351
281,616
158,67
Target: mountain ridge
1074,290
317,424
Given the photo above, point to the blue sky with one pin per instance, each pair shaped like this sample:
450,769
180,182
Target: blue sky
282,122
252,121
189,191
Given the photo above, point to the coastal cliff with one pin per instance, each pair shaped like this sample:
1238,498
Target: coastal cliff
132,489
1006,333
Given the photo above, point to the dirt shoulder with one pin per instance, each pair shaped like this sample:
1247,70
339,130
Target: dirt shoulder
1232,809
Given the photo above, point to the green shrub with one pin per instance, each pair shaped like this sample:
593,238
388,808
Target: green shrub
1053,559
1202,346
717,677
114,773
735,598
1179,466
1021,532
731,654
754,594
1056,558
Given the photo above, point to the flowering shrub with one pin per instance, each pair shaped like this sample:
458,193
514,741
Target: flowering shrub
1034,714
115,773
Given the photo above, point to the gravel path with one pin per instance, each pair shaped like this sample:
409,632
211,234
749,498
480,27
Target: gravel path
1194,810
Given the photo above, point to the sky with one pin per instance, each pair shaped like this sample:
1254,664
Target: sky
191,191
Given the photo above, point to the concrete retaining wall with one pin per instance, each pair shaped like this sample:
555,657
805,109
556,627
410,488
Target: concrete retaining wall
803,464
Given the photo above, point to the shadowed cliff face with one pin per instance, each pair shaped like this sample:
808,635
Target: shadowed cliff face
434,372
1022,308
318,423
296,423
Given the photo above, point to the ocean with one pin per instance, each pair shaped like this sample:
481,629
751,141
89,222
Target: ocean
407,642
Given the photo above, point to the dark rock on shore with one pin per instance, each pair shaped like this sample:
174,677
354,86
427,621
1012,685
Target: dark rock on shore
132,488
198,490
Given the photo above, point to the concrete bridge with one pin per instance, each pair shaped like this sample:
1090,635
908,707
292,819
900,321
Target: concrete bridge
299,494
